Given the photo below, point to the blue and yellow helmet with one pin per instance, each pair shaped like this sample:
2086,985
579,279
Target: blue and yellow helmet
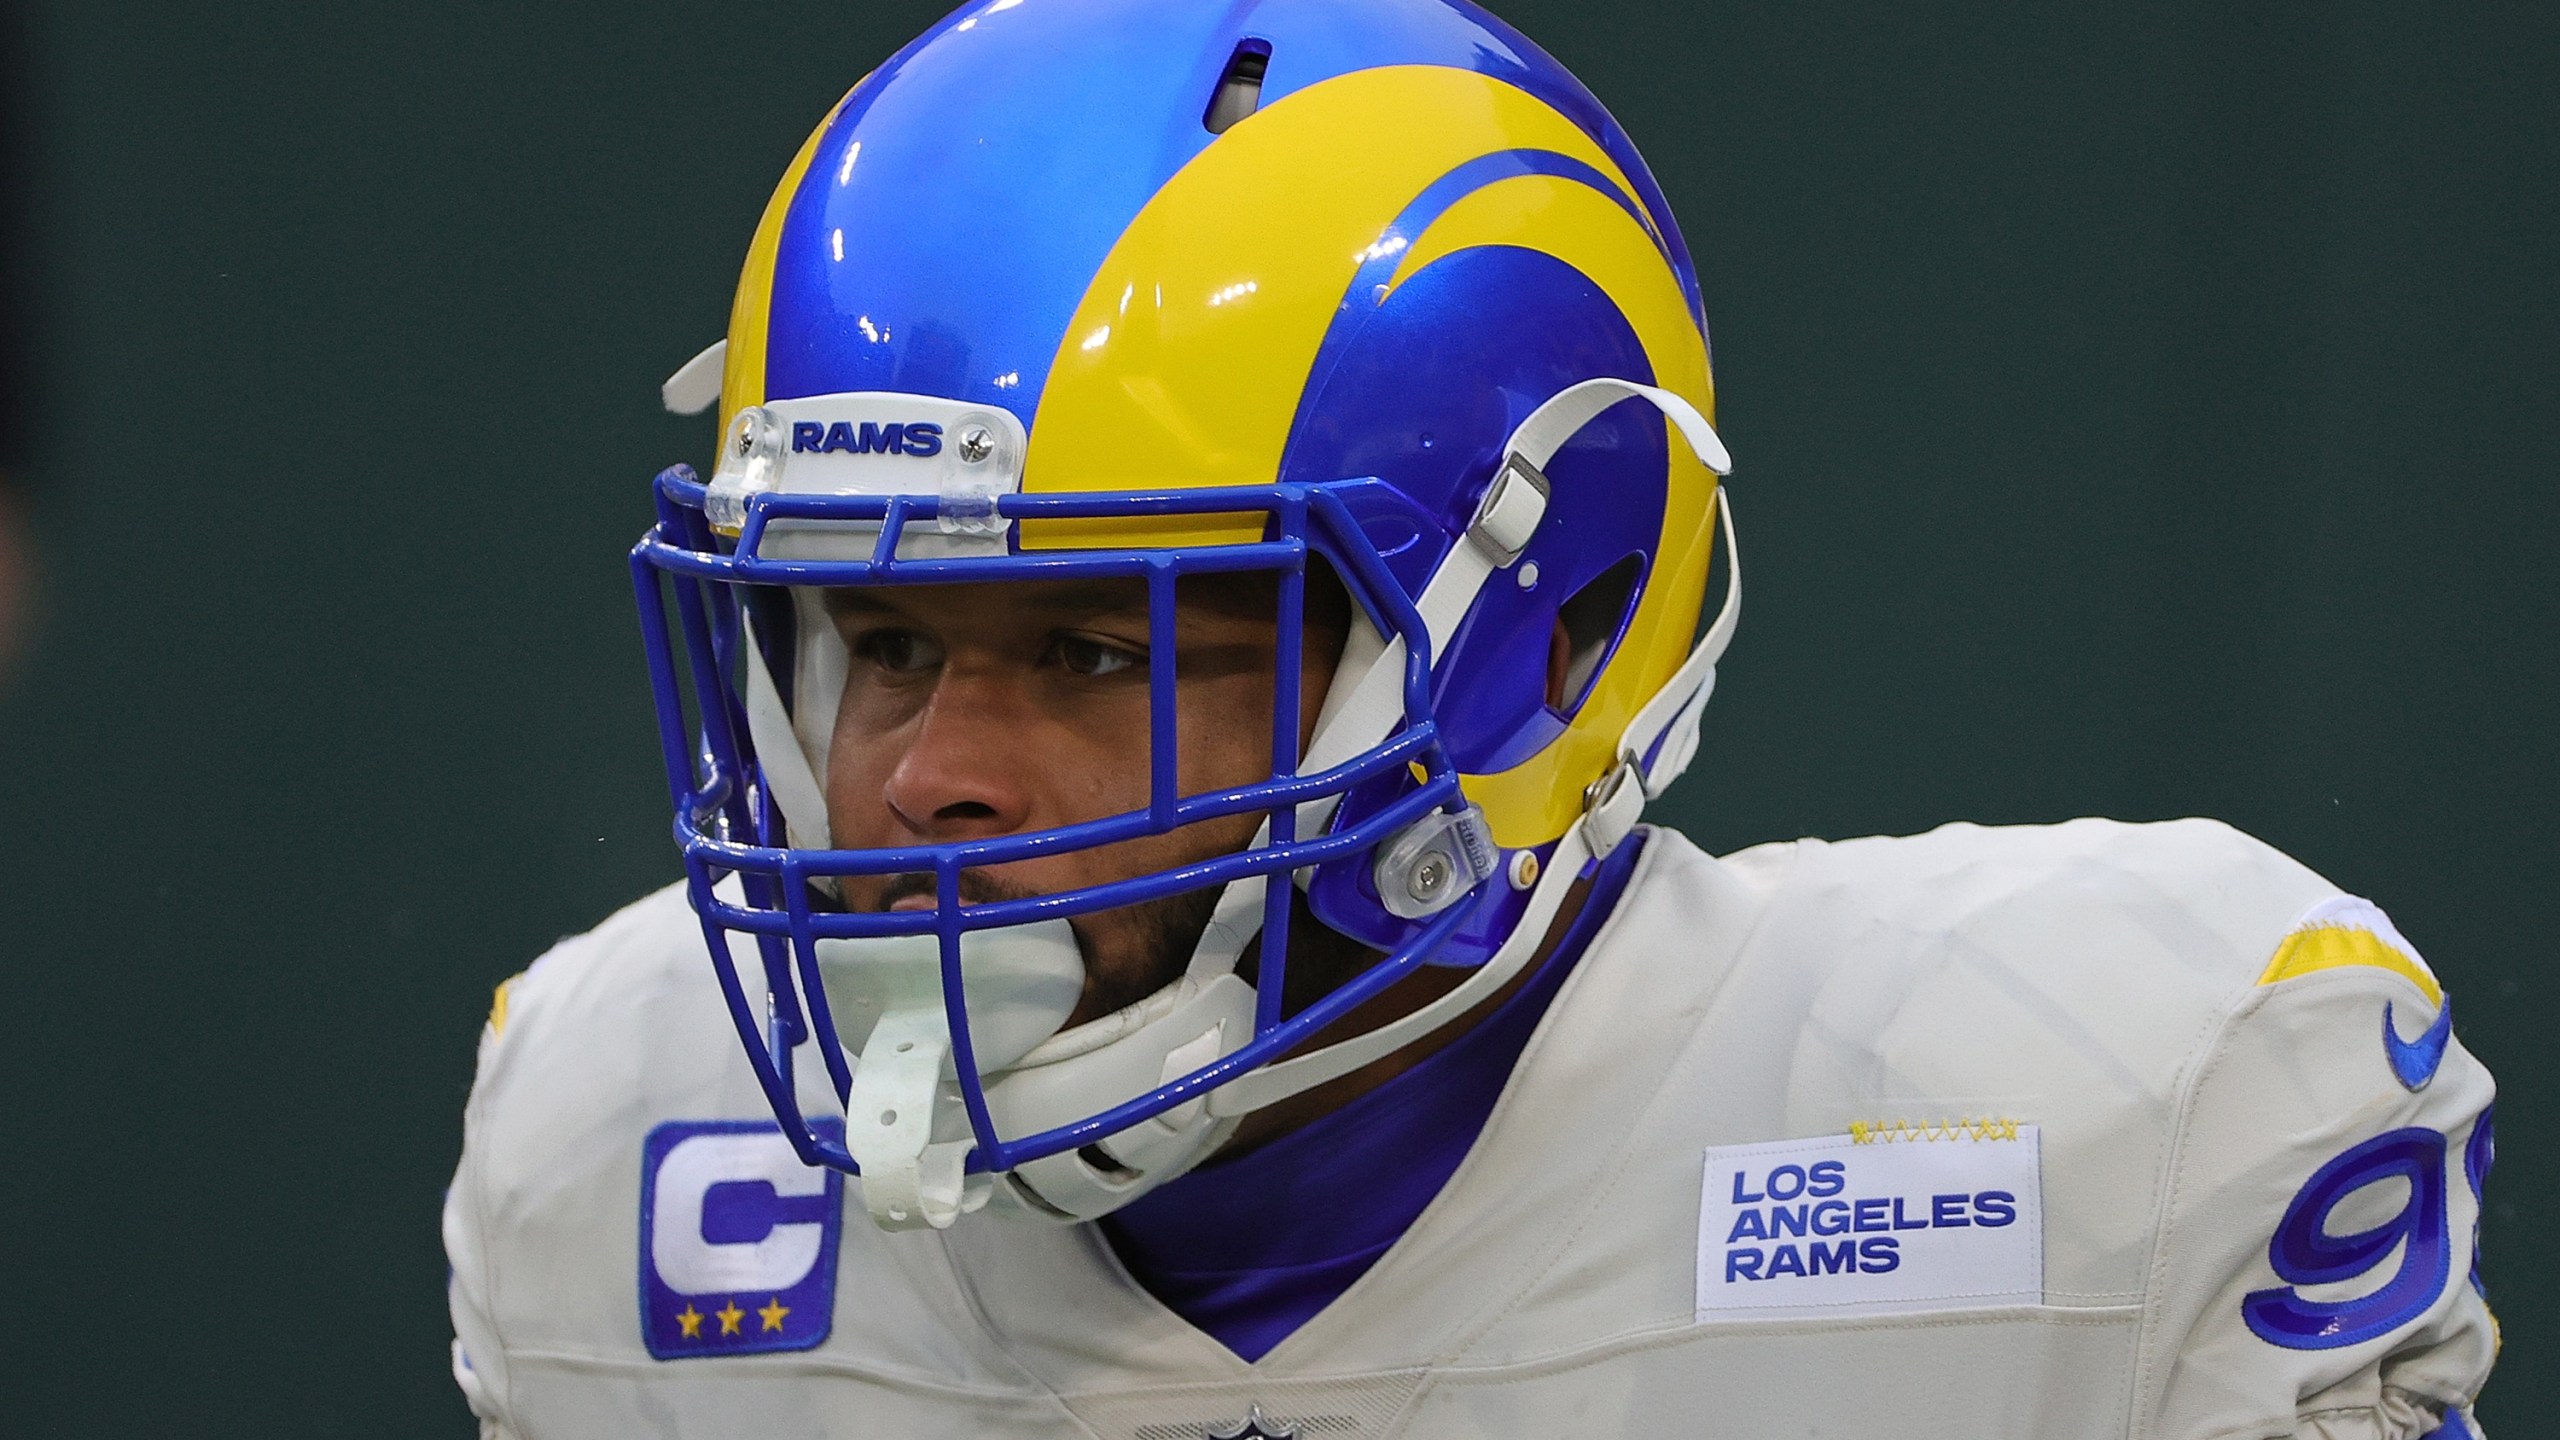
1145,288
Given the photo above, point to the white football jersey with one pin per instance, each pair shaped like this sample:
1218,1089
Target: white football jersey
2089,1130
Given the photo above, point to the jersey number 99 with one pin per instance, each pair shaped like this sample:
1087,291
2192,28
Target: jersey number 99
2305,1253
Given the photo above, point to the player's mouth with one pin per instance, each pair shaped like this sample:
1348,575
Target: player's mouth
915,891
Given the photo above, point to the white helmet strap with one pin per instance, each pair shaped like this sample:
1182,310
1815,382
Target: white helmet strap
788,773
1367,697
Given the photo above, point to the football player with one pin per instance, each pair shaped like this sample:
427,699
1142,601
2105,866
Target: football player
1201,578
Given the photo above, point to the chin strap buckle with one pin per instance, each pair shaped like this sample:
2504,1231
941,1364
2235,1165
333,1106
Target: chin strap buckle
1612,805
1506,519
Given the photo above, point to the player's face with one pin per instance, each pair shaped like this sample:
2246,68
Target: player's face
980,710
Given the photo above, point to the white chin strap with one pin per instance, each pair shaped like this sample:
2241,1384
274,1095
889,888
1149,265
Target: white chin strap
905,1123
886,995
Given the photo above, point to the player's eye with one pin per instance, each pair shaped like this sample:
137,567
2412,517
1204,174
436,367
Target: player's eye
899,652
1091,658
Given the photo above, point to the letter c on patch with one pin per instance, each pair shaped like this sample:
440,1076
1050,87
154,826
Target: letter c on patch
688,1259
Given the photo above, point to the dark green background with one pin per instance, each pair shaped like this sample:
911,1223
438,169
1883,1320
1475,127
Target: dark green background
2143,410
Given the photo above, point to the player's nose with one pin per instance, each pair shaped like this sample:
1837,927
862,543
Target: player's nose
966,770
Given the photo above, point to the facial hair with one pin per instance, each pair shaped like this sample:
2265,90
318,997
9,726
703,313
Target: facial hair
1159,935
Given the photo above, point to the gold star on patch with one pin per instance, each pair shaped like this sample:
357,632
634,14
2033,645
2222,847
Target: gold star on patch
690,1320
729,1315
773,1312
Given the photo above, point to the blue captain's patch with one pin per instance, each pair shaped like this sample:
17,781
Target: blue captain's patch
738,1241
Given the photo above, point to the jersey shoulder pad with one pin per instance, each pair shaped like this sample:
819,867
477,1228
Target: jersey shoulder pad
636,949
2188,903
606,1026
1980,980
1965,972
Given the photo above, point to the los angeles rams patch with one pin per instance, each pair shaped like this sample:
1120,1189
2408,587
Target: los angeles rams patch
738,1241
1892,1218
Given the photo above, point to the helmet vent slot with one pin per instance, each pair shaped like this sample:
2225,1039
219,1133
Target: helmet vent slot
1109,1168
1239,91
1593,619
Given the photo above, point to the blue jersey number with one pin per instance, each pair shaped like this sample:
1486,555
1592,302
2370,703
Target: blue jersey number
2304,1252
2477,1156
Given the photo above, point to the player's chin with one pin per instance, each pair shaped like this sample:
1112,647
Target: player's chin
1133,951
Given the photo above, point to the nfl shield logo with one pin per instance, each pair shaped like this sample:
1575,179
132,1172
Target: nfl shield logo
1254,1426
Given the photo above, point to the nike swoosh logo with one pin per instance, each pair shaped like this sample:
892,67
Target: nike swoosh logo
2415,1061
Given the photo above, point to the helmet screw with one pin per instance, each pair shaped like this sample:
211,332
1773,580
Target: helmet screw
976,444
1428,877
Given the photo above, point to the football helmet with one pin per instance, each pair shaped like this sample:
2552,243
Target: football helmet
1151,289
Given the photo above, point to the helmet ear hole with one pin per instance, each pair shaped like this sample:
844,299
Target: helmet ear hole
1239,91
1593,618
